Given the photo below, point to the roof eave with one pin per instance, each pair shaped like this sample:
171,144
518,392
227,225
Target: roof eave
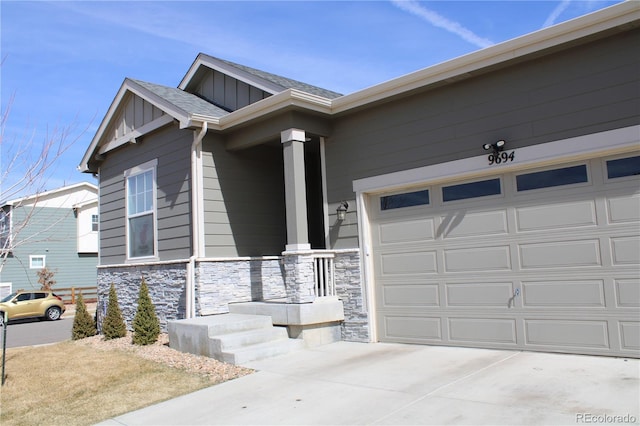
129,86
286,99
464,66
225,68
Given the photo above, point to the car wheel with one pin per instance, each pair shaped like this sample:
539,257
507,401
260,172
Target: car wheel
53,313
1,319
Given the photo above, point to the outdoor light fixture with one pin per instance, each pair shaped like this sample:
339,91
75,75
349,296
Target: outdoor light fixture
496,147
342,210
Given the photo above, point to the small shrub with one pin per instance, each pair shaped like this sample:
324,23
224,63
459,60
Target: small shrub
113,325
83,323
146,327
45,279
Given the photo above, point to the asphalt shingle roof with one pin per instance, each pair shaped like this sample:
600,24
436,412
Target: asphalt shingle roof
285,83
186,101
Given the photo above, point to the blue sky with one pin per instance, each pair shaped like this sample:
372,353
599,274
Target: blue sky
63,62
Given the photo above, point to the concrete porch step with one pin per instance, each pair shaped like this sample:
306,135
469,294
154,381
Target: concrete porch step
232,338
231,341
261,351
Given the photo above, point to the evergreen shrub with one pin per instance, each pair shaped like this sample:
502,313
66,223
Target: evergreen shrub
146,327
113,325
83,323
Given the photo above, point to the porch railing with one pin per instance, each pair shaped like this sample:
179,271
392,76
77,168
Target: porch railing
323,272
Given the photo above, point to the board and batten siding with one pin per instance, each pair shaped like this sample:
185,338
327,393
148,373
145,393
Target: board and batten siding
171,147
135,113
50,232
587,89
243,200
228,92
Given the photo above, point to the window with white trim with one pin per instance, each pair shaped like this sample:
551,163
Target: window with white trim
37,262
141,210
94,223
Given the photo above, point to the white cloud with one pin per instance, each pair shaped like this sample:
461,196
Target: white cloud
440,21
551,19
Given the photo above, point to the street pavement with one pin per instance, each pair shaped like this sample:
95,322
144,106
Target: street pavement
32,332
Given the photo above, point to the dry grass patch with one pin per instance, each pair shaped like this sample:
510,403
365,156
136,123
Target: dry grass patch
75,383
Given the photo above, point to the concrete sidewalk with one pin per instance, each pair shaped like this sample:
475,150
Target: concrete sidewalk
394,384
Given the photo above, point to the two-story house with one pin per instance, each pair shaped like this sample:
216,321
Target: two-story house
56,229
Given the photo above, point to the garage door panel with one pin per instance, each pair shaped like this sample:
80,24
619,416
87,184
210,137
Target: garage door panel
495,258
628,292
626,250
462,224
563,294
629,335
494,330
556,216
406,231
419,329
624,209
570,333
548,269
480,294
561,254
416,262
410,295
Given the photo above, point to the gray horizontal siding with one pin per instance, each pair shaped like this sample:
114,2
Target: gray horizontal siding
50,232
171,146
243,200
587,89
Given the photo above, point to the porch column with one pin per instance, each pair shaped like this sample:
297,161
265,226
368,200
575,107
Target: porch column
297,257
295,189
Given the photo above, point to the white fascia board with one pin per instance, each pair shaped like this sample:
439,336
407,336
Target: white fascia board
461,67
231,71
70,188
290,97
86,204
127,86
106,120
157,101
626,139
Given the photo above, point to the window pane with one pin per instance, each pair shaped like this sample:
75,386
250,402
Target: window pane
141,236
623,167
140,196
551,178
407,199
471,190
37,262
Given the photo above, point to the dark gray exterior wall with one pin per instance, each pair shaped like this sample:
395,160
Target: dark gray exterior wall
587,89
171,146
243,200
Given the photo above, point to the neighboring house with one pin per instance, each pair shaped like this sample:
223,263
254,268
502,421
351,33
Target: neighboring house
56,229
232,188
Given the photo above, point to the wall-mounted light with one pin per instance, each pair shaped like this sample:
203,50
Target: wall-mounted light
341,211
496,147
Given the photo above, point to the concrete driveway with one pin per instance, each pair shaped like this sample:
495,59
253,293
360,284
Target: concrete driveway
395,384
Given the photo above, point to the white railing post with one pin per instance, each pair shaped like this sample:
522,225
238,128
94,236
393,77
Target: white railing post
323,271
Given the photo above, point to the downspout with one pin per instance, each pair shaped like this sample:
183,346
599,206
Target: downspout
196,205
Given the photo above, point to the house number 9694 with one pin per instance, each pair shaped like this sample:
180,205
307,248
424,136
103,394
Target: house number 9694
501,157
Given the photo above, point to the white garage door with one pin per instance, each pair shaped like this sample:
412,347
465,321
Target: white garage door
544,260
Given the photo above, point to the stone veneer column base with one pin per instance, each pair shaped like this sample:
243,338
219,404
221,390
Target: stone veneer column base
298,276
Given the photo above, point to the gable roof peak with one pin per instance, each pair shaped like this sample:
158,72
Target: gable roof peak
263,80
